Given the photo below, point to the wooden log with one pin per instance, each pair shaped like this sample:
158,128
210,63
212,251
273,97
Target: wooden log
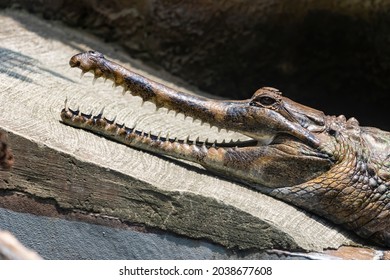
80,172
12,249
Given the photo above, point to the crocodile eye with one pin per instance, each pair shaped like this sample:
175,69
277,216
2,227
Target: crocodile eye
266,101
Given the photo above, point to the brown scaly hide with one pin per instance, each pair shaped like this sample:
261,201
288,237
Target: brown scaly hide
6,156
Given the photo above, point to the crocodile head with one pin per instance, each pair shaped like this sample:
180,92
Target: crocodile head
285,148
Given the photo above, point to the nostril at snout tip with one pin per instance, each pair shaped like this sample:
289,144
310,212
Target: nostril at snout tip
74,62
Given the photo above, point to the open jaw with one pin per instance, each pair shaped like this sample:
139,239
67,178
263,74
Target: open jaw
161,96
249,160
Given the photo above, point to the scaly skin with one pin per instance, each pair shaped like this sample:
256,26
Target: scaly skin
325,164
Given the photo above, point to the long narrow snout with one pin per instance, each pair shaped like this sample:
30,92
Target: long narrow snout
261,124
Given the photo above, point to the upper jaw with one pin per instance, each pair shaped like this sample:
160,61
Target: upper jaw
86,61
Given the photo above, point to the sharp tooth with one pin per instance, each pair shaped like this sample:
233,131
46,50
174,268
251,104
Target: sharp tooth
123,91
197,139
142,133
101,112
82,74
168,111
176,113
114,119
158,136
215,143
167,137
94,80
142,103
105,79
66,104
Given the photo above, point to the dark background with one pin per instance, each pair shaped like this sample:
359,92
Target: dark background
332,55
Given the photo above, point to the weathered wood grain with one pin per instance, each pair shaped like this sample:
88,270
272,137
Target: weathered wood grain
79,171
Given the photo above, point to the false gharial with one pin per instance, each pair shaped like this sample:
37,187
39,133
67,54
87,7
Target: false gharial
327,165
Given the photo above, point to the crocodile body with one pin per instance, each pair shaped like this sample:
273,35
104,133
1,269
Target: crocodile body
327,165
